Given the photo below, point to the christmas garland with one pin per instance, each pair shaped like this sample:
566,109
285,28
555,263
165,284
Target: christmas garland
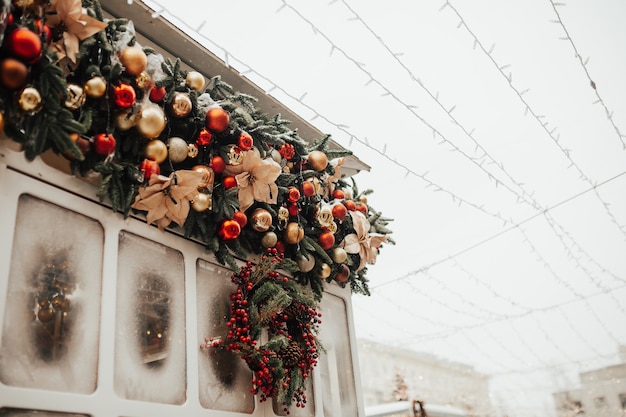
181,150
266,300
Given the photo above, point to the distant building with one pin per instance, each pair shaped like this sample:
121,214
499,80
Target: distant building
422,377
602,393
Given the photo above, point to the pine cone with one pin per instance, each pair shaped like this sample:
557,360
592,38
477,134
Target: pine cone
291,354
293,310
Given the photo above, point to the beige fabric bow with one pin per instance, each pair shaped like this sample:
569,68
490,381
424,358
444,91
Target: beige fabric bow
256,179
361,242
78,26
167,200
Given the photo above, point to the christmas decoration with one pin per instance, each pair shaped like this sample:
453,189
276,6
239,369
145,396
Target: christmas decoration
188,152
266,300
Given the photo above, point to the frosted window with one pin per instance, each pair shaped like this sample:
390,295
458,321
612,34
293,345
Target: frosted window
150,359
338,389
52,314
225,380
16,412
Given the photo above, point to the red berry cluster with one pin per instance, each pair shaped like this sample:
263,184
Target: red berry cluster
272,375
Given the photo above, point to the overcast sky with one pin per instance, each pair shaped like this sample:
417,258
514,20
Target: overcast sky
500,163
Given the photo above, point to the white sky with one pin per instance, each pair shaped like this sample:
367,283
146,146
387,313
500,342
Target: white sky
460,97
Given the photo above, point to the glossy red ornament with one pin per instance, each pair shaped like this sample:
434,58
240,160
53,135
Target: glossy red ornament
124,96
287,151
217,119
245,141
339,212
241,218
13,73
338,194
293,210
230,230
218,164
157,94
361,207
25,45
104,144
350,205
326,239
150,168
308,188
229,182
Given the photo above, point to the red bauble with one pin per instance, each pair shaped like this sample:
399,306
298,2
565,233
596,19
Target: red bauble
13,73
350,205
217,119
230,230
294,195
361,207
104,144
308,188
150,168
245,141
241,218
229,182
326,240
218,164
339,212
204,137
157,94
338,194
25,45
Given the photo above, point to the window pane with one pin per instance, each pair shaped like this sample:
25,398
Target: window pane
17,412
225,380
52,317
150,359
338,389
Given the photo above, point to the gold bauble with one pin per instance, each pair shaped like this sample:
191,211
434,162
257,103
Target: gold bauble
143,80
261,220
318,160
151,121
95,87
294,233
30,99
75,97
181,105
195,80
1,122
339,255
305,264
208,177
202,202
363,199
177,149
156,150
324,271
125,120
134,60
269,240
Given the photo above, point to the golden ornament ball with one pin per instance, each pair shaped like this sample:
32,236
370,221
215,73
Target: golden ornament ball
269,240
195,80
339,255
134,60
75,97
95,87
125,120
181,105
305,264
202,202
324,271
156,150
151,121
208,177
294,233
261,220
177,149
318,160
143,80
30,100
